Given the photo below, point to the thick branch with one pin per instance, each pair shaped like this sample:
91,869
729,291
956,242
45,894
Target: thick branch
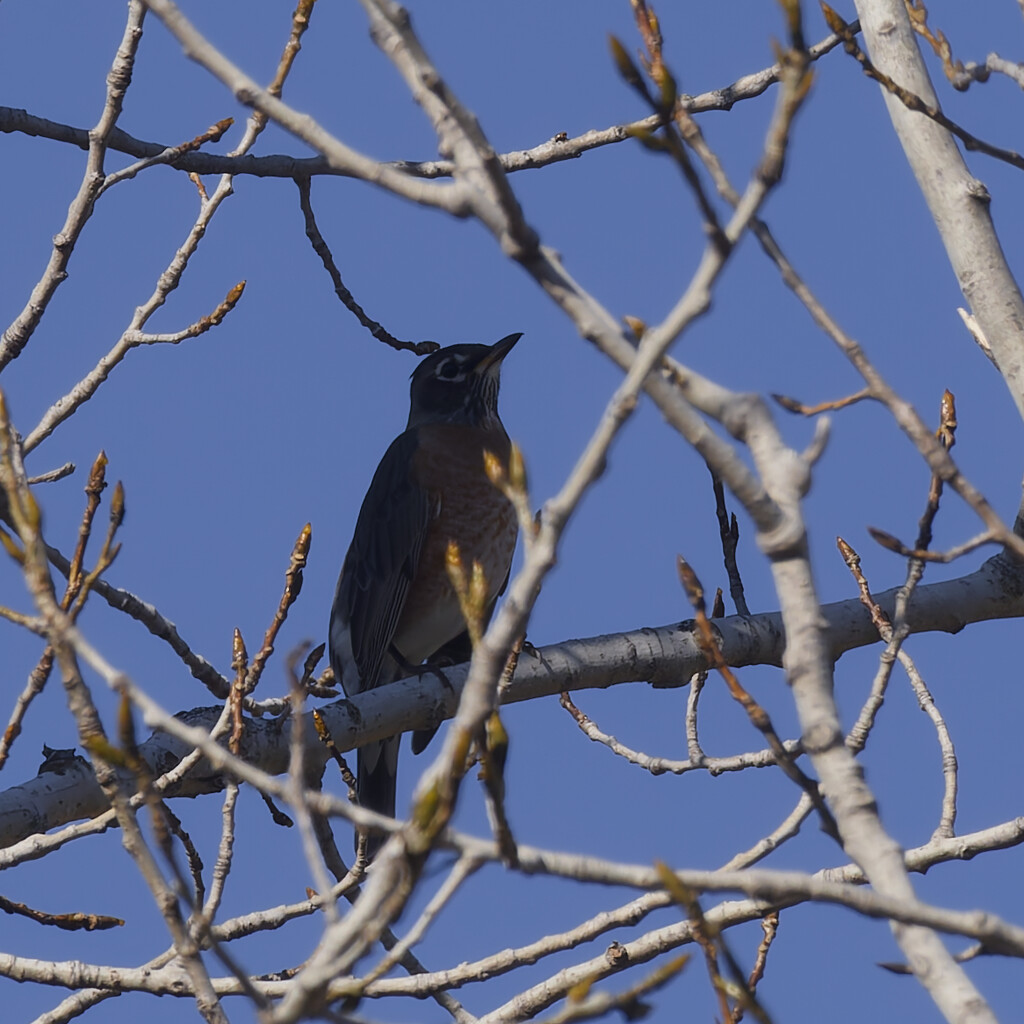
665,657
958,202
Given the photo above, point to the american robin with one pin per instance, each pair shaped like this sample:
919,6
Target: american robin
395,605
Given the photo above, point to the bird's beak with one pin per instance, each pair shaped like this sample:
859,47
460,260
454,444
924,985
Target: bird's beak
496,353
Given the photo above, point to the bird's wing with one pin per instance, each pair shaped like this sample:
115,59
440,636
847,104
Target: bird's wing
381,563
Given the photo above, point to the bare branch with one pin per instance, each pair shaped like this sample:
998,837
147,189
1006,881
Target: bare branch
667,656
663,765
340,157
958,202
17,336
555,150
348,300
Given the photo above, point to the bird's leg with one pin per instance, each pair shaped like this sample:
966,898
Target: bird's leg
455,652
432,666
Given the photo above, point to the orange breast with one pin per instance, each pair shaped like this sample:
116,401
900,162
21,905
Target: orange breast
472,512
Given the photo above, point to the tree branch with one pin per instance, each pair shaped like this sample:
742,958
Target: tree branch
665,657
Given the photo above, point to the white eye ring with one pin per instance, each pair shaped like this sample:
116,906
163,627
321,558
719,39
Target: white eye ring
450,369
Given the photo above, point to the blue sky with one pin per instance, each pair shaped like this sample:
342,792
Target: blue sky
228,444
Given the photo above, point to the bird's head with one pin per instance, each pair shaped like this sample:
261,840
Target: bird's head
459,384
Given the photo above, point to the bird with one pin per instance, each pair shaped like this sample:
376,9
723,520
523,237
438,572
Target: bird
395,605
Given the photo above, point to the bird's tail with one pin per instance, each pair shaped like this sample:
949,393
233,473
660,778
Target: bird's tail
376,779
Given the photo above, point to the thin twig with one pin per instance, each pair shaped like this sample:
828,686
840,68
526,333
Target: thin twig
348,300
792,405
729,532
663,765
133,336
292,586
17,336
758,716
53,474
72,922
282,165
912,101
169,155
770,928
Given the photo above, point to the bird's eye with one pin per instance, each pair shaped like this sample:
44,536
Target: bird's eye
449,369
